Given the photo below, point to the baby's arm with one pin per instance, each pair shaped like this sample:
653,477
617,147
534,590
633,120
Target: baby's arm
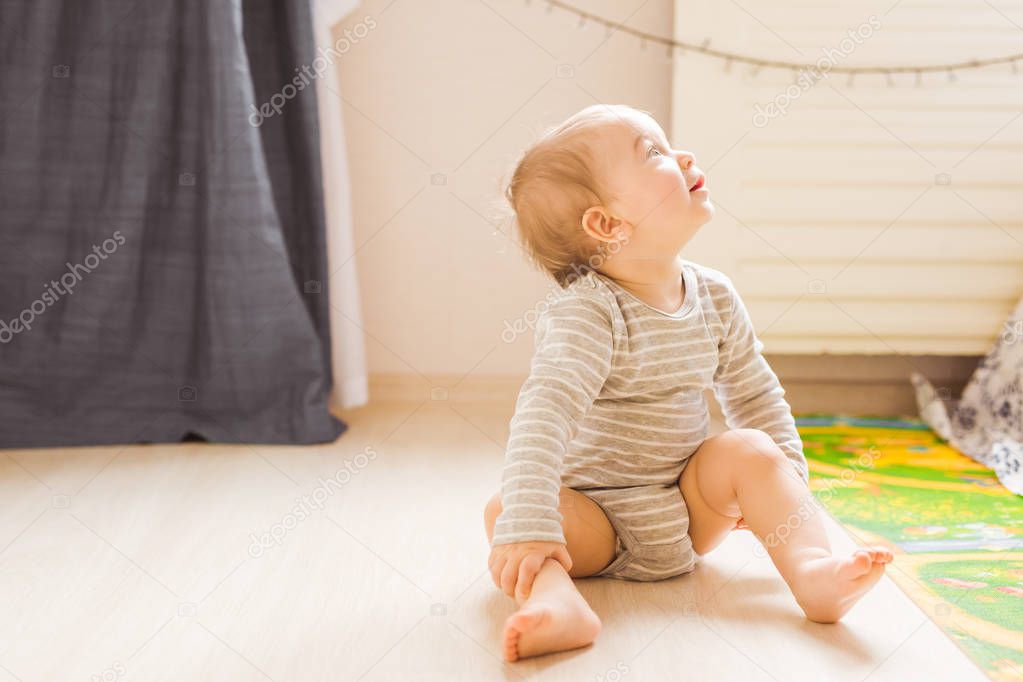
748,389
574,345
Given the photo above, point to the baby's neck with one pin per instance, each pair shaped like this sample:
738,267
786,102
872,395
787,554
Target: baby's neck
658,283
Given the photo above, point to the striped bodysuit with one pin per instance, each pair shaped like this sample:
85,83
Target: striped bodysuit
614,407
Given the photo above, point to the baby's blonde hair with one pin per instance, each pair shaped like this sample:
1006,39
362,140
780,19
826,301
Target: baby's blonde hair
554,182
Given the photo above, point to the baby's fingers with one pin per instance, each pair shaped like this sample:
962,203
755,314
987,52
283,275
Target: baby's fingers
528,569
495,569
562,555
509,576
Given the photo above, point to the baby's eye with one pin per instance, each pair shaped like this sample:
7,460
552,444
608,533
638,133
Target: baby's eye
653,149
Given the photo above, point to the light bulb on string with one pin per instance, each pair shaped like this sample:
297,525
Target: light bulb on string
728,65
888,77
849,81
1014,69
918,77
582,21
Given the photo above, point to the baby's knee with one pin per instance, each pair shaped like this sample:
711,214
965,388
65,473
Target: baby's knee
754,446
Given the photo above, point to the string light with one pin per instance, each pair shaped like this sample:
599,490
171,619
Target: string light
757,64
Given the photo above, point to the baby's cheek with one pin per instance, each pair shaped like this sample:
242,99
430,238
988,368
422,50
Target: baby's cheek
676,196
667,190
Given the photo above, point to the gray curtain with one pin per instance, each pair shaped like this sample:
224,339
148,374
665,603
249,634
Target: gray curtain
162,250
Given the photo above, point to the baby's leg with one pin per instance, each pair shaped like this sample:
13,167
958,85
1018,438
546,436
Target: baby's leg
554,616
744,473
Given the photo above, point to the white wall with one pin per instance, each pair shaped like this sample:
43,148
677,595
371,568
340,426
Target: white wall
830,217
459,87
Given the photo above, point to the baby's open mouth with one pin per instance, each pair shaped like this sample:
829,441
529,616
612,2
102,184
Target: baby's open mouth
698,184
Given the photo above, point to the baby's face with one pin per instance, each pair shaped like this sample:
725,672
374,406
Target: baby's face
659,191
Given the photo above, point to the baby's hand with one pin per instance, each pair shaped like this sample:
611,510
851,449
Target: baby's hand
514,566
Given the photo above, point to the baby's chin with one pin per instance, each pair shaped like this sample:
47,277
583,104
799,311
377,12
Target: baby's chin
703,210
696,213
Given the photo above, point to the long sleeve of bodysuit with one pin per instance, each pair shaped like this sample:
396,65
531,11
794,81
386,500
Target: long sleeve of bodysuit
748,389
574,347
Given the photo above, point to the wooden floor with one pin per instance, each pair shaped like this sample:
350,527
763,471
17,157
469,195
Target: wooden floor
139,563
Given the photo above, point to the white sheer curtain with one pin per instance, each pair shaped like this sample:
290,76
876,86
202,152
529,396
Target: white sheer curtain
348,351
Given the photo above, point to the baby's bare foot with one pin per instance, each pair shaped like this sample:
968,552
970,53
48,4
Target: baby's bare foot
556,620
826,588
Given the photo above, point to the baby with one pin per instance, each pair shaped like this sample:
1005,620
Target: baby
609,471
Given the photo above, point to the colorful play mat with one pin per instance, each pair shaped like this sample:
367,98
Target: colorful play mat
957,533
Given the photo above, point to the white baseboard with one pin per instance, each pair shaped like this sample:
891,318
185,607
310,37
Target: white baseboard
848,384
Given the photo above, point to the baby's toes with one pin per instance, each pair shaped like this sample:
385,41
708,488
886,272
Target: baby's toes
881,555
858,563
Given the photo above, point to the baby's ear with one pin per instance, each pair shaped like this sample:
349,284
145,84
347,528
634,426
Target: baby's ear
598,224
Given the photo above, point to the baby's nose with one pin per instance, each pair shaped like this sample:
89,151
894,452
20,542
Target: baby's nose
685,160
